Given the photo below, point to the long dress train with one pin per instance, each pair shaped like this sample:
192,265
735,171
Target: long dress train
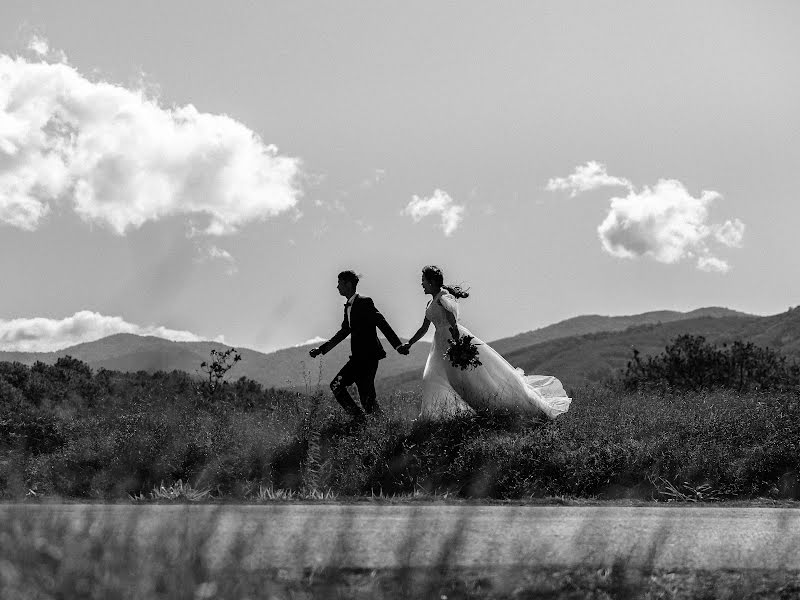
448,390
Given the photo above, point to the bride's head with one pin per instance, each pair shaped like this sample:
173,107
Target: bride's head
433,281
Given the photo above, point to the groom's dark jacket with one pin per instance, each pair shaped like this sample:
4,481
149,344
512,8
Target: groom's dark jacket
364,343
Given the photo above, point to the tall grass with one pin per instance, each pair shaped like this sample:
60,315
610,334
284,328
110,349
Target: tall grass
130,434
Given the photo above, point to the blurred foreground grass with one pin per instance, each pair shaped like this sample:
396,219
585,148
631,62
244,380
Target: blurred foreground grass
44,556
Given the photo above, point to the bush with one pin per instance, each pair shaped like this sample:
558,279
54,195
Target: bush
28,428
691,363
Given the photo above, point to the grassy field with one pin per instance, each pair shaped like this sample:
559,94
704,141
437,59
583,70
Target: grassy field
116,436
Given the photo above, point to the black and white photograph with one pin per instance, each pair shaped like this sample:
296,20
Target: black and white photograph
413,300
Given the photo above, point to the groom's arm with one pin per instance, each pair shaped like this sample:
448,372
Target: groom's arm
331,343
380,322
338,337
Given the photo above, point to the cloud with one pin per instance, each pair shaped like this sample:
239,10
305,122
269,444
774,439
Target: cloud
713,264
730,233
40,334
119,158
216,253
667,224
586,177
315,340
41,48
439,203
39,45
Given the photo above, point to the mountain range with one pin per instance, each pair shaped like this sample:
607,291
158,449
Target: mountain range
578,350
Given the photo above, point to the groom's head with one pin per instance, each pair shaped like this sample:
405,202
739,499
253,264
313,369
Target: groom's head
348,281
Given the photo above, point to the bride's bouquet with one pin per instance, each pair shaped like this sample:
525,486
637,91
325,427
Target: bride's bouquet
462,353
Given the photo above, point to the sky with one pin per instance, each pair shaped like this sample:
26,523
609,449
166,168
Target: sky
203,170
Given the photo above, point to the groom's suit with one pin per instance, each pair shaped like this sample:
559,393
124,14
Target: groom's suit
360,325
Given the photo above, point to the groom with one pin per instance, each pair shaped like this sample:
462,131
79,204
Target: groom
360,319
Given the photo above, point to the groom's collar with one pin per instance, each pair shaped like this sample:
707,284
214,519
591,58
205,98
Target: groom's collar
351,299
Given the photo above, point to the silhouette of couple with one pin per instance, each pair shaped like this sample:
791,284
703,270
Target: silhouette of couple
447,390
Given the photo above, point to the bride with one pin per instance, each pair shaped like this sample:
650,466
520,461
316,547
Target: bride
495,384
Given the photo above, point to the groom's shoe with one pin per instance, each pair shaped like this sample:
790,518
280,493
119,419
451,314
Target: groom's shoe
358,420
376,412
370,404
346,401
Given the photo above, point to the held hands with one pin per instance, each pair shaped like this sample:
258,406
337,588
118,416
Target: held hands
314,352
403,349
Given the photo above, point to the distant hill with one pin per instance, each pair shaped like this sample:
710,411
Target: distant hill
576,350
290,367
586,324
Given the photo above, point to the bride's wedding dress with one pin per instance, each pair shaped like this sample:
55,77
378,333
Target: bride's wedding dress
495,384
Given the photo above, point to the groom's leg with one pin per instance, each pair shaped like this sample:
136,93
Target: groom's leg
365,381
345,377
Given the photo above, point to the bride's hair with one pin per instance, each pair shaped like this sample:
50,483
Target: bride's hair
434,274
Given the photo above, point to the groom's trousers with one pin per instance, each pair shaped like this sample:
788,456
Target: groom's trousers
362,373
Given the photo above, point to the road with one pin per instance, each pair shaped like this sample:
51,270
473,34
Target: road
385,536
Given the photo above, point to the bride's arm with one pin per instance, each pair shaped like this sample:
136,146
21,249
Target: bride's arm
420,332
450,306
451,319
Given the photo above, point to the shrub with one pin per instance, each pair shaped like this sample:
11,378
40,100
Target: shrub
221,362
28,428
690,362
